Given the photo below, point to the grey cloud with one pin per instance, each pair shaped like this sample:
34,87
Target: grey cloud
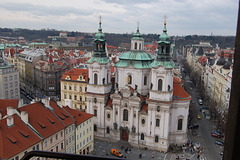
40,10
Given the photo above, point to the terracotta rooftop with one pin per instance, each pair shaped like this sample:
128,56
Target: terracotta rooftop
62,114
42,119
75,73
78,115
178,91
16,138
4,103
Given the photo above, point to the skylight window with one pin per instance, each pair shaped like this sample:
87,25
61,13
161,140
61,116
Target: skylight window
24,134
42,124
12,139
51,120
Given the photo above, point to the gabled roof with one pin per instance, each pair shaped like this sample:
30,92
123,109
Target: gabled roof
4,103
16,138
62,114
42,119
78,115
179,92
75,73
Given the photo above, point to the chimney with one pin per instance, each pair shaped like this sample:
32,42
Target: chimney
10,121
11,111
24,116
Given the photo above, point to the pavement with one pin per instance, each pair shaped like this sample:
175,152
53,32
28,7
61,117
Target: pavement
102,148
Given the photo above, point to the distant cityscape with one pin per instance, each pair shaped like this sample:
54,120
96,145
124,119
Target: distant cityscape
62,91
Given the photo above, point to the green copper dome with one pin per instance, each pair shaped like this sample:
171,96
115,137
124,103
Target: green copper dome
99,36
137,35
164,37
136,59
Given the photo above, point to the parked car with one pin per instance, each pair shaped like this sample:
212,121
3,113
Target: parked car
215,132
193,126
200,101
116,152
219,143
216,135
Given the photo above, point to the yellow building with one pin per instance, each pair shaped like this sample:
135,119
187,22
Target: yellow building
84,131
73,87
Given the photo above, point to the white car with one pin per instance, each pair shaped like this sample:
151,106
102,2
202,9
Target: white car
200,101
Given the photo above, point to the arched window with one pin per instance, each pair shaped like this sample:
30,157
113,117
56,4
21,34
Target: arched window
140,46
125,115
162,49
107,78
145,80
159,84
129,79
156,139
180,124
157,122
95,78
108,130
135,47
169,87
142,136
95,127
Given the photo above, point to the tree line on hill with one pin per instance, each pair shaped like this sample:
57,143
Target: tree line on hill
116,39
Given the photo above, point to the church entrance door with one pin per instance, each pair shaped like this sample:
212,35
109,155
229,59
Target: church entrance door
124,135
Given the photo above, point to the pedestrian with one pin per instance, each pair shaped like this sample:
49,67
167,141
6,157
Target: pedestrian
140,155
153,155
198,156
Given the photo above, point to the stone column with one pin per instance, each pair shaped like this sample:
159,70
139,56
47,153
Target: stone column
166,125
148,122
119,117
153,122
114,114
162,123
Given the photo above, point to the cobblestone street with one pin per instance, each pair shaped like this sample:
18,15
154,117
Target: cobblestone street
102,148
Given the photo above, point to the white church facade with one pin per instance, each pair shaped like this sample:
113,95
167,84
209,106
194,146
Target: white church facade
147,106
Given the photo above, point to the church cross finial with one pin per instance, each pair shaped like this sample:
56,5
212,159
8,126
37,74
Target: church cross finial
165,18
100,22
138,25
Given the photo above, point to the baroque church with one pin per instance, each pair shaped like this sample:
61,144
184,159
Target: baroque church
147,106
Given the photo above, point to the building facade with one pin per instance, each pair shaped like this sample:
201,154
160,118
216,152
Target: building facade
73,86
149,107
9,81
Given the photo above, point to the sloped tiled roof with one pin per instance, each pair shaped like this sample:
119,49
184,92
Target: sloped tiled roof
75,73
4,103
42,119
179,92
16,138
78,115
62,114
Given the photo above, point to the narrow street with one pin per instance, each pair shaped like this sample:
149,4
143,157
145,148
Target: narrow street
203,133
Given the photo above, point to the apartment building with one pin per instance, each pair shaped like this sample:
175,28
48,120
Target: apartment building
73,86
9,81
84,131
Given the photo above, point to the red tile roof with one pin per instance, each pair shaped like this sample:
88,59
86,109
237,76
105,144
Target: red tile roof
42,119
4,103
178,91
78,115
62,114
16,138
75,73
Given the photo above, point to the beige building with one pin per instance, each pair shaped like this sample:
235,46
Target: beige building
9,81
73,87
26,62
84,131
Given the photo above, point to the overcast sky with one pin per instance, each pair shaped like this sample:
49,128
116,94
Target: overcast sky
184,17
